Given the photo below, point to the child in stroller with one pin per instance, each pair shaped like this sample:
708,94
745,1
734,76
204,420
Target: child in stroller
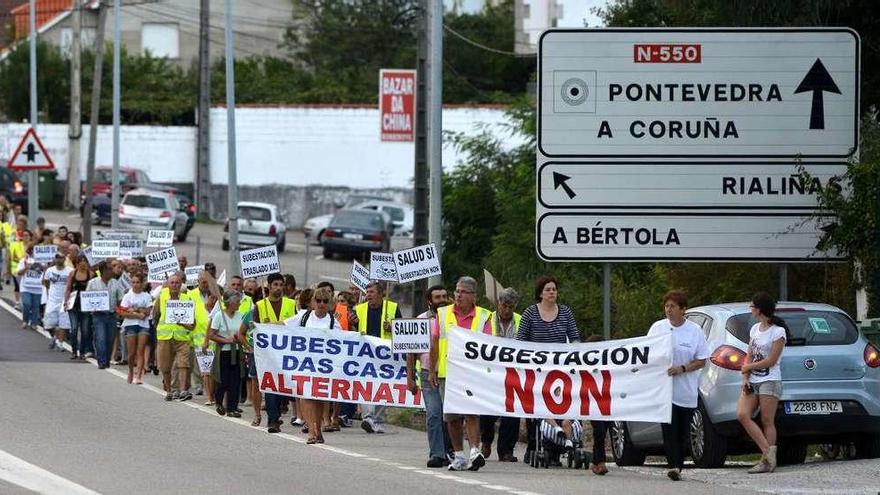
555,437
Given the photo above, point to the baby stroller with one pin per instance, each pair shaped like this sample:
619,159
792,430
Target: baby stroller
551,442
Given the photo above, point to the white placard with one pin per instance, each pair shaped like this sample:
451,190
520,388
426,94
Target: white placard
105,249
192,274
32,279
87,252
131,248
160,263
180,312
45,253
160,238
417,263
120,235
205,359
221,280
259,262
360,276
411,336
71,301
382,267
94,300
124,281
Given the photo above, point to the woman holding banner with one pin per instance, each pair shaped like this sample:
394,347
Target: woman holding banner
30,274
135,308
225,328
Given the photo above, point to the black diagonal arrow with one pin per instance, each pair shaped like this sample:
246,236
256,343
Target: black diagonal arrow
559,180
817,80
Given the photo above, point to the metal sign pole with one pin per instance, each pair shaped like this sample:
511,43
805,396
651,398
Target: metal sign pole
114,177
606,300
33,178
232,179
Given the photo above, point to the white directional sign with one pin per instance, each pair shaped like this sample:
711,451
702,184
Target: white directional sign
615,236
684,185
671,93
31,154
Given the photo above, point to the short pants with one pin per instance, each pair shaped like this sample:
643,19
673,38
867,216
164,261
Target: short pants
56,317
135,330
252,364
172,353
772,387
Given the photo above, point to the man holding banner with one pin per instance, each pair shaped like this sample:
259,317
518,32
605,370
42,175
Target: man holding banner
275,308
374,318
464,313
104,322
173,339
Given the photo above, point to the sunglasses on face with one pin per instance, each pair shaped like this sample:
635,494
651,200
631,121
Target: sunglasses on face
322,301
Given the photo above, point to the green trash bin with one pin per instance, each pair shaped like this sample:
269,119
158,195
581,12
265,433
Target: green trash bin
48,180
871,330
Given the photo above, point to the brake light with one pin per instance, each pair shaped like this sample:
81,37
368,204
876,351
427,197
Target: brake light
18,187
330,233
728,357
226,226
165,214
192,208
374,237
872,356
272,230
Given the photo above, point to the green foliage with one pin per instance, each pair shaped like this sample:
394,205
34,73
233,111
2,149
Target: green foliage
53,87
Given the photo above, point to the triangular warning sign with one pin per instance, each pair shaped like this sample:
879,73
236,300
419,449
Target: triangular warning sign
30,154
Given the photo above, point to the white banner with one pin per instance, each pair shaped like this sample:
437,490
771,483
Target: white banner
382,267
180,312
192,274
160,263
94,300
205,359
417,263
45,253
259,262
160,238
131,248
105,249
619,380
330,365
360,276
411,336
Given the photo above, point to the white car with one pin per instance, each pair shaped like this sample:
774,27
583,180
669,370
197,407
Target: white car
259,224
145,209
402,218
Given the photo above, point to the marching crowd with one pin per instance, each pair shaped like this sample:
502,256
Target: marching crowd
137,332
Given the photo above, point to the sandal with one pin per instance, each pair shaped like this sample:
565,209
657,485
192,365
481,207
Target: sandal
257,420
327,429
320,439
311,441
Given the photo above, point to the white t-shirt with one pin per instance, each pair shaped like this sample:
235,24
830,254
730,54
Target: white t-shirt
136,301
313,321
57,284
226,328
688,344
760,345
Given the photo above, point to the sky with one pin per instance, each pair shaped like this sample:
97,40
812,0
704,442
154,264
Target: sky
574,12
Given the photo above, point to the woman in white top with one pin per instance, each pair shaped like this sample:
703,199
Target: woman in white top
136,307
762,379
224,331
30,274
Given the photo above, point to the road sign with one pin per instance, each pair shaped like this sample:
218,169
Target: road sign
712,236
31,154
683,185
747,93
397,104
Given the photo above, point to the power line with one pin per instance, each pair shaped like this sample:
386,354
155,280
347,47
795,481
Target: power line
484,47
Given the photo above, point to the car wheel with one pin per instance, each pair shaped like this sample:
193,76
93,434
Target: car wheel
791,452
708,447
281,243
320,237
182,236
625,453
868,446
328,254
225,245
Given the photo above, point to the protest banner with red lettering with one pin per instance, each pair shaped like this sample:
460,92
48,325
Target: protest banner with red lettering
330,365
618,380
397,104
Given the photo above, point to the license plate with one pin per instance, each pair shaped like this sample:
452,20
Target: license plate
811,407
357,237
140,222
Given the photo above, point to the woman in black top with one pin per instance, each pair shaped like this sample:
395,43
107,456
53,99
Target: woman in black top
80,326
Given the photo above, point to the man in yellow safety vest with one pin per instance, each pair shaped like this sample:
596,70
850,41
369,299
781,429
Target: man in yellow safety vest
205,300
173,339
274,309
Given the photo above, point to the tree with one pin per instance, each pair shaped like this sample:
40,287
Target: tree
53,89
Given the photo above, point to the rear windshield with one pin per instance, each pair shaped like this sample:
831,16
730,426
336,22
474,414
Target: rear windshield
358,219
144,201
396,214
807,327
254,213
107,176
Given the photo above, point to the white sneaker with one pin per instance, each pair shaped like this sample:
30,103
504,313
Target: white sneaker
368,425
297,421
476,460
459,464
379,427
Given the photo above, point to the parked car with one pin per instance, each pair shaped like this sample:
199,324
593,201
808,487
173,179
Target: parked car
148,209
830,389
188,207
356,231
259,224
402,217
129,178
14,188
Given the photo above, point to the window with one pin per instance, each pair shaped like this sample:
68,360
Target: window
254,213
86,39
811,327
160,40
144,201
396,214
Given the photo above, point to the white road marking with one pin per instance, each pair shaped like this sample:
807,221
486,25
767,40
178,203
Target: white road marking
36,479
319,257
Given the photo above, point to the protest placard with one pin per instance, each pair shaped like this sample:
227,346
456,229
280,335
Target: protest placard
192,274
382,267
161,263
124,281
221,280
411,336
32,279
330,365
87,252
180,312
120,235
259,262
160,238
205,359
45,253
417,263
94,300
618,380
131,248
71,301
105,249
360,276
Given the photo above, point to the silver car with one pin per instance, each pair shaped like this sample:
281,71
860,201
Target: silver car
259,224
147,209
830,390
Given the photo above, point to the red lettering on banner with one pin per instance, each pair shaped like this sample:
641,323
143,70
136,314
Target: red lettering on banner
362,391
340,390
319,387
268,382
558,408
603,399
281,387
512,385
384,394
300,384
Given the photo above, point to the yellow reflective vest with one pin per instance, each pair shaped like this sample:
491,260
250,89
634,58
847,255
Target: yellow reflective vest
267,314
446,320
389,310
495,327
16,253
201,319
168,331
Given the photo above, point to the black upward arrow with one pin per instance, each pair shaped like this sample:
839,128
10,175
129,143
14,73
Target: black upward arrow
559,180
818,81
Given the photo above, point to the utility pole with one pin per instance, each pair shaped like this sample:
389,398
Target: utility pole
93,121
33,178
114,177
203,164
420,174
74,131
230,145
435,124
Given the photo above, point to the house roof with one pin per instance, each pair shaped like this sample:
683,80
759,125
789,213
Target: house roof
48,12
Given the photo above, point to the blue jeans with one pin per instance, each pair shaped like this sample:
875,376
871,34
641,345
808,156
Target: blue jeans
273,407
105,329
80,328
30,308
433,417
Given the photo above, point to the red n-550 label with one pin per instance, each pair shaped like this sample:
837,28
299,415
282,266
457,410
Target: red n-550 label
667,54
